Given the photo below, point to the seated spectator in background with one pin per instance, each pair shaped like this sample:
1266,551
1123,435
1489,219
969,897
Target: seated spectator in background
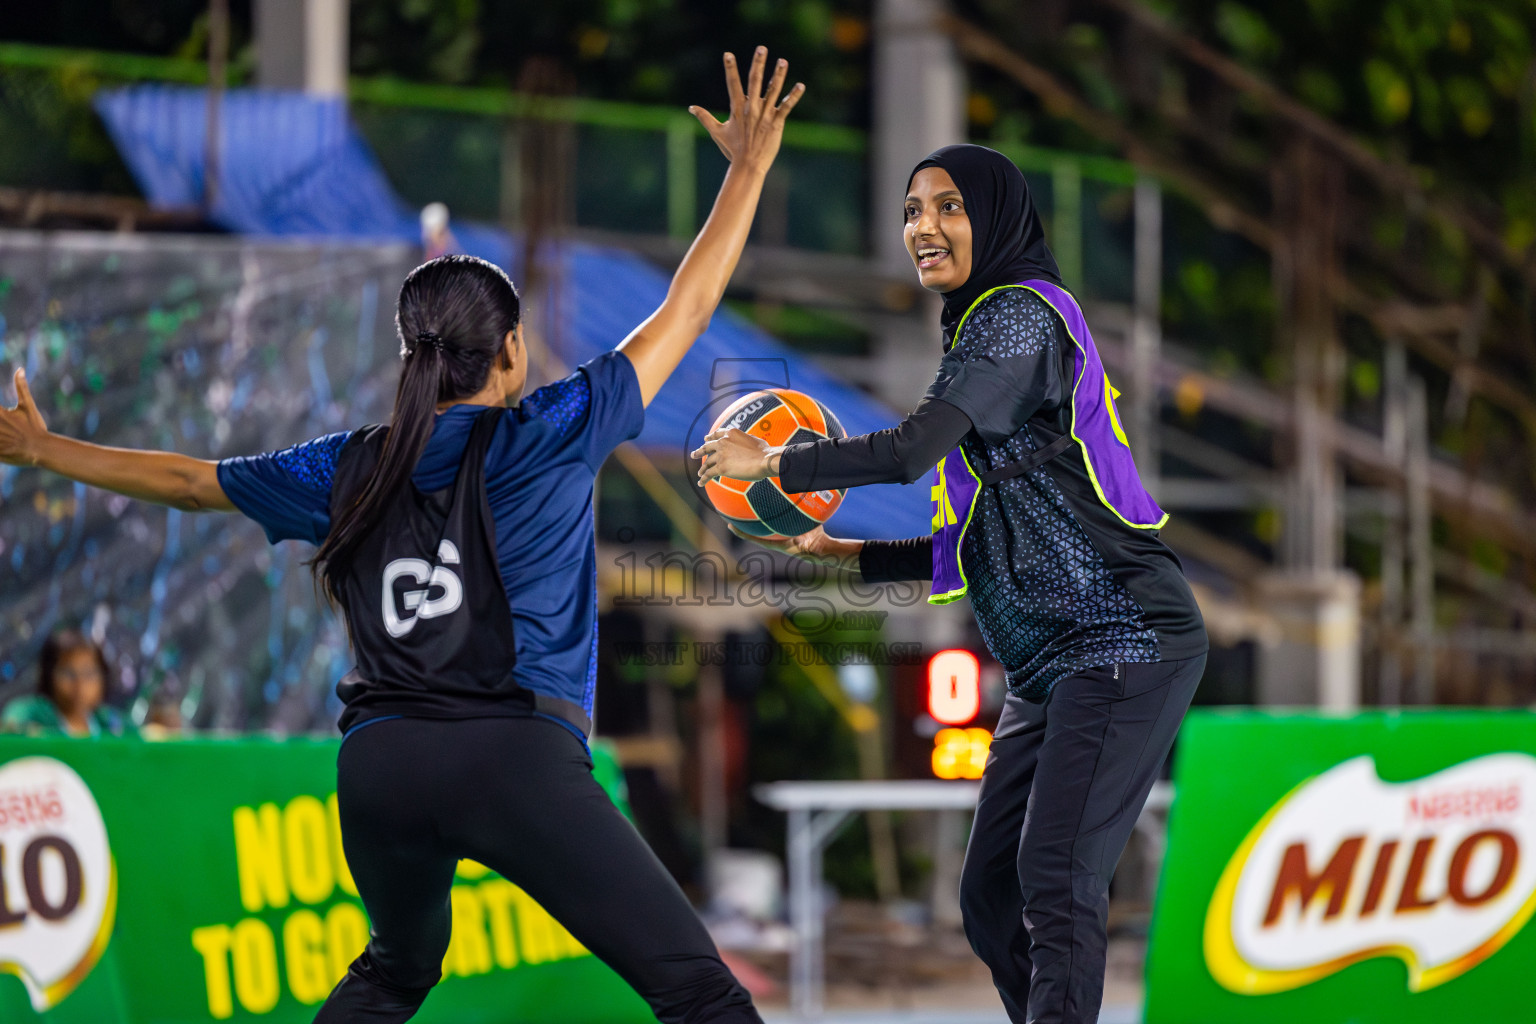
71,693
163,720
436,238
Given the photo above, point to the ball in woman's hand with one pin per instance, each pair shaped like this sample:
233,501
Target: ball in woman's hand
762,508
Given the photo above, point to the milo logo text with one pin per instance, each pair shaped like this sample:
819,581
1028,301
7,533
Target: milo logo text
58,887
1439,872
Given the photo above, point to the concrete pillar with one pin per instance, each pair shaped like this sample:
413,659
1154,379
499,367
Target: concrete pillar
1147,333
1421,545
1396,403
302,45
948,858
919,105
1316,660
1309,191
905,351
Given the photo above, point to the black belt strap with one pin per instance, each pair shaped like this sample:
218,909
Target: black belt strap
568,710
1035,460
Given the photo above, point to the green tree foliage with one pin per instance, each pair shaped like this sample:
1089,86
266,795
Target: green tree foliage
1444,87
1448,85
661,51
156,27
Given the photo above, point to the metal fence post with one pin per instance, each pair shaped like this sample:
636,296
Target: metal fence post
1146,332
682,177
1067,220
802,912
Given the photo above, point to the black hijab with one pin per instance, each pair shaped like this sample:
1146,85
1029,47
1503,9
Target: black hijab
1007,241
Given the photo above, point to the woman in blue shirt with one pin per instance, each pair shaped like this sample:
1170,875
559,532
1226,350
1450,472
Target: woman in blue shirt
458,542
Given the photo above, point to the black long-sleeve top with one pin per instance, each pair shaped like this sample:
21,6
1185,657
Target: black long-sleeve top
901,454
1058,582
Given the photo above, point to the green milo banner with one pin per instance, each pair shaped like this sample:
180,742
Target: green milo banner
203,880
1373,869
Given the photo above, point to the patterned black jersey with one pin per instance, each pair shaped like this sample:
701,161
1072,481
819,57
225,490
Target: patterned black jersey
1058,583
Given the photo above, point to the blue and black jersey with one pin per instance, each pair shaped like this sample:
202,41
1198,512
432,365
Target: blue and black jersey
539,473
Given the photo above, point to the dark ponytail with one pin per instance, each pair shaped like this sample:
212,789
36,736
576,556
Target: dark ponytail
452,317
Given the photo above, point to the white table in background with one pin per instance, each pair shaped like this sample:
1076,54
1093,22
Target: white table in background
817,812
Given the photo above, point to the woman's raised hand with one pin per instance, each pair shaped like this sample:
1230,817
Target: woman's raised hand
750,137
21,428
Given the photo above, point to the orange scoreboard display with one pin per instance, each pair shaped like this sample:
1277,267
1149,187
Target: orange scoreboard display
954,700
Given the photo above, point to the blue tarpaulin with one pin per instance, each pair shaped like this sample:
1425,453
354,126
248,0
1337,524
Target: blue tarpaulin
295,165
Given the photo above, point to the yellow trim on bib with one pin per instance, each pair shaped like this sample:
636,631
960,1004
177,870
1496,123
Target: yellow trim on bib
965,584
1087,459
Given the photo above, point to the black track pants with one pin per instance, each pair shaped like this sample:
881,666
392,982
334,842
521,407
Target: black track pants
517,795
1063,787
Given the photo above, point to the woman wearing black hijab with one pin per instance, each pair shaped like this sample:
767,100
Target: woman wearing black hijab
1040,519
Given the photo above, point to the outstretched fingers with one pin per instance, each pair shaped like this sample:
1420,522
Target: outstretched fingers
24,401
711,124
782,110
755,76
18,422
733,84
751,131
776,84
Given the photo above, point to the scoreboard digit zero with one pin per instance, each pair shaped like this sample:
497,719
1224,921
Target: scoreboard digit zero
954,700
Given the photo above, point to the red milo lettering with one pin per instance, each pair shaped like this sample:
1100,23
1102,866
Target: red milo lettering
1296,876
1509,860
1411,897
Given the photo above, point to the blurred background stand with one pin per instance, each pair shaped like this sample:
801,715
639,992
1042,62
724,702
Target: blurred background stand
817,811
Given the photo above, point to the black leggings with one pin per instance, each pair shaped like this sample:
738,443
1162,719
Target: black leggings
517,795
1063,787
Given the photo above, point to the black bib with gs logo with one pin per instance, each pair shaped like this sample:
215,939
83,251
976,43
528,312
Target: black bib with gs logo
424,600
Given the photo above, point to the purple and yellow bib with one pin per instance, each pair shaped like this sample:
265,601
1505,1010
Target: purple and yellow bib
1095,426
